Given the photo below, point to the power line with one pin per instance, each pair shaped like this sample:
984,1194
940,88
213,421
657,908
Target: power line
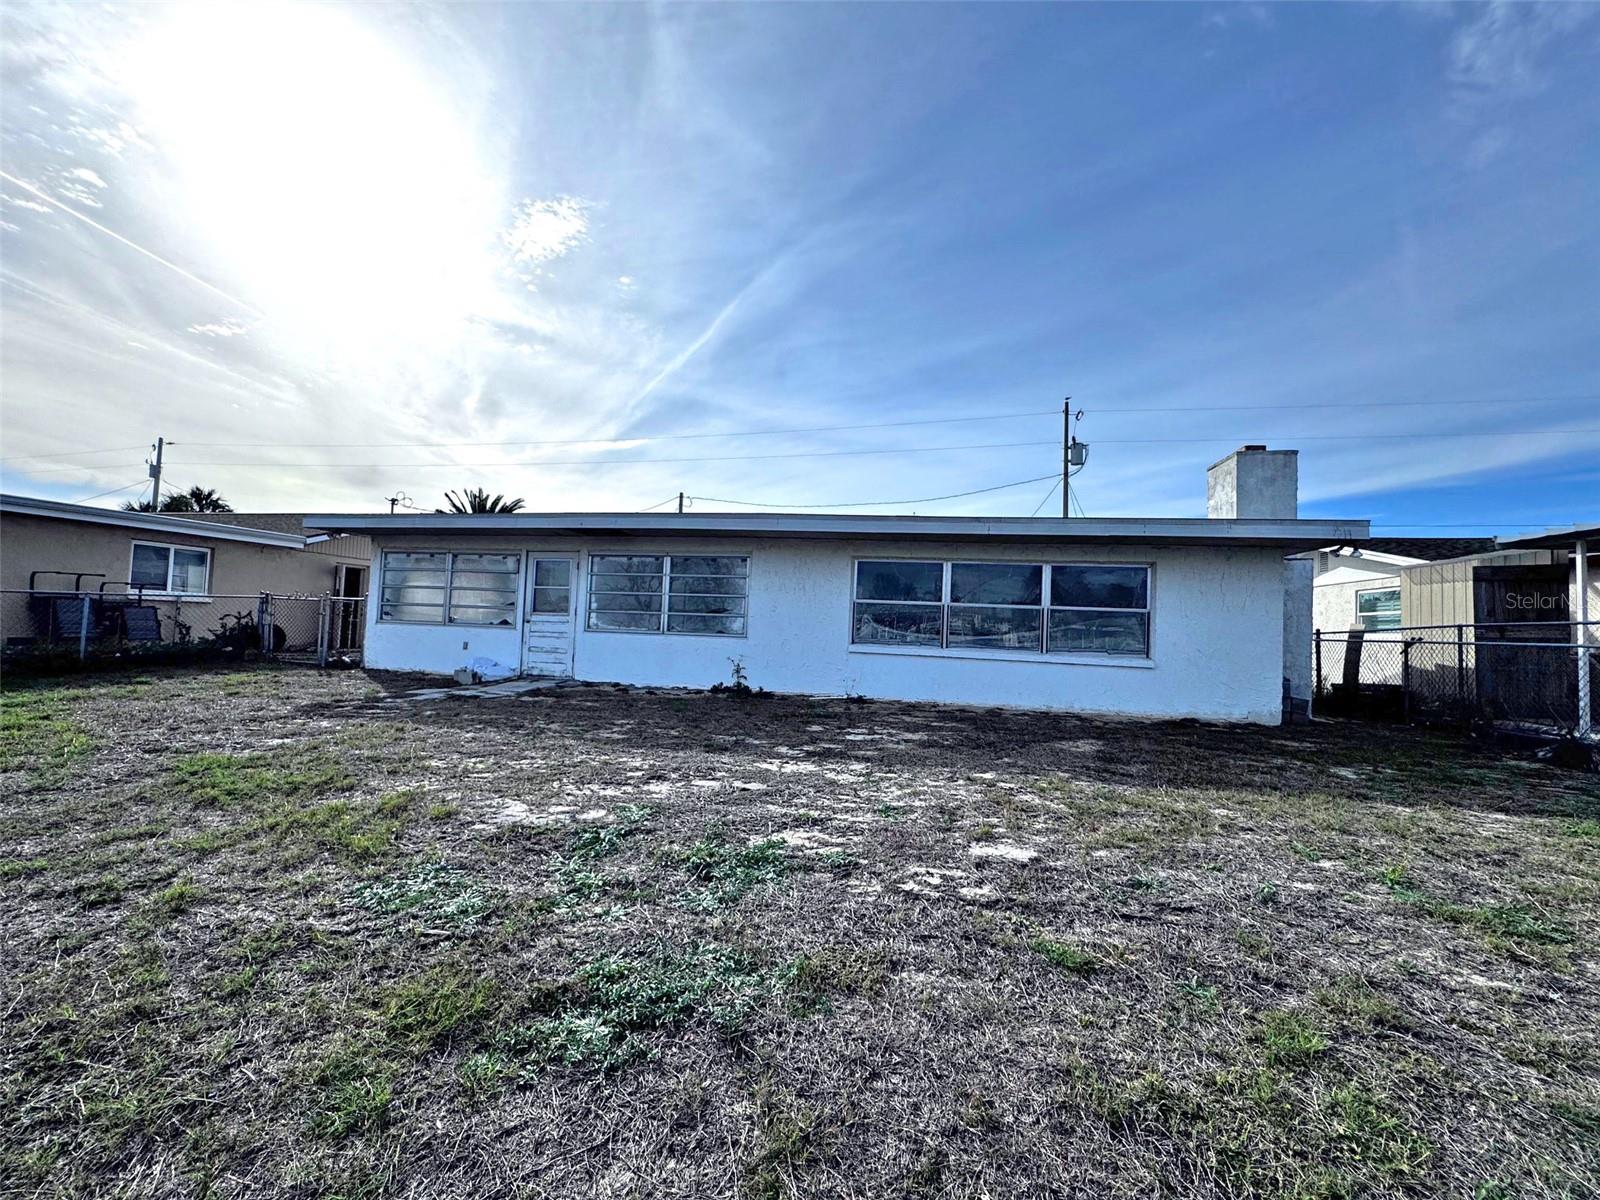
101,495
663,504
1006,416
875,503
603,462
73,453
1047,496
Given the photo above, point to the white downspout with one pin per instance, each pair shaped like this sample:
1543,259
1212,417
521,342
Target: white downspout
1585,711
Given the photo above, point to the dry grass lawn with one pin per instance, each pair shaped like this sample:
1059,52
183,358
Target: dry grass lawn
281,933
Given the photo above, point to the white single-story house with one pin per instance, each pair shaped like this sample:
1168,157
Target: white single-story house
1168,617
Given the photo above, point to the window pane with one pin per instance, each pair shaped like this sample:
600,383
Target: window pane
483,579
625,583
995,583
898,624
900,581
707,604
414,595
433,613
1090,632
1380,621
495,597
710,585
504,564
421,578
692,623
552,600
482,616
1100,587
189,570
623,602
412,558
149,567
995,628
1386,600
698,564
552,572
623,620
634,564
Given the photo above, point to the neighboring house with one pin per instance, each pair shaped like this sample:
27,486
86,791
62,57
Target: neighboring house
1359,587
1155,617
48,548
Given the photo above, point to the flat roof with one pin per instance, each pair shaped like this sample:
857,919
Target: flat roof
1559,539
1154,531
33,506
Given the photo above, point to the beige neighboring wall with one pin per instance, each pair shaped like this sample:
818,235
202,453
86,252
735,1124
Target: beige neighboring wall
29,543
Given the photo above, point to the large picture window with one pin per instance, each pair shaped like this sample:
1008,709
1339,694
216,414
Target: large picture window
180,570
1029,608
436,588
669,593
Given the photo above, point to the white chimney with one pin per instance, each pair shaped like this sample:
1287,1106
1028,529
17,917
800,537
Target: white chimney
1254,482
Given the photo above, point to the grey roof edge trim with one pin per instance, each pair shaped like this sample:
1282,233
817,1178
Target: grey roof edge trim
1198,530
1551,538
31,506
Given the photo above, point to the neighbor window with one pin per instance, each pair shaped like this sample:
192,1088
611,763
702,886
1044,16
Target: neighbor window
1378,609
670,593
1031,608
432,587
176,569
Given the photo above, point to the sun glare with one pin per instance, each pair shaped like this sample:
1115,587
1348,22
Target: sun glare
338,184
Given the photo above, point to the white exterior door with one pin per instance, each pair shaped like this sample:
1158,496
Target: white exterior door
547,624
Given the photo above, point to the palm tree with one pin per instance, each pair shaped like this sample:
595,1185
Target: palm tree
477,500
196,499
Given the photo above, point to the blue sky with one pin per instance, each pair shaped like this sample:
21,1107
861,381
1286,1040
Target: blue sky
326,241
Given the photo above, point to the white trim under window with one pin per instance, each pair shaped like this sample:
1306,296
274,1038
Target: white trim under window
706,595
1066,612
169,570
440,587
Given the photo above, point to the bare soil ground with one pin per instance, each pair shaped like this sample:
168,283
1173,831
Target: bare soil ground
281,933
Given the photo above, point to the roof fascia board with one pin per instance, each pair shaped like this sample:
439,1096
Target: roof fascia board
29,506
1288,534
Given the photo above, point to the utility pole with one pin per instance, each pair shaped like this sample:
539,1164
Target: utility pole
680,502
1066,473
155,475
397,498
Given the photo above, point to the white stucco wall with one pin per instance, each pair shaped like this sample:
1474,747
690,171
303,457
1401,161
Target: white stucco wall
1216,622
1297,625
1333,597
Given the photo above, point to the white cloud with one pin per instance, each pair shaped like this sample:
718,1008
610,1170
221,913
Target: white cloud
22,202
544,230
88,176
221,329
1503,50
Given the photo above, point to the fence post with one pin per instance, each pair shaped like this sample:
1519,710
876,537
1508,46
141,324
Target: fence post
1461,669
324,614
1405,680
83,627
1316,687
264,623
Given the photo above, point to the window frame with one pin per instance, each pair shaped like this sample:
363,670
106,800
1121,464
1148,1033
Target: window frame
1360,622
167,589
665,613
998,654
449,576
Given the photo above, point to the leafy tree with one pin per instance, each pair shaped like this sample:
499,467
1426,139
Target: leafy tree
477,500
196,499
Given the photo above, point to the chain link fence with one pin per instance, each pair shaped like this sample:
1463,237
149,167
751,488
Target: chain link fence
46,631
1539,674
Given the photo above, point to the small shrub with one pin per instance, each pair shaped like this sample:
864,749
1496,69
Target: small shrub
727,871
